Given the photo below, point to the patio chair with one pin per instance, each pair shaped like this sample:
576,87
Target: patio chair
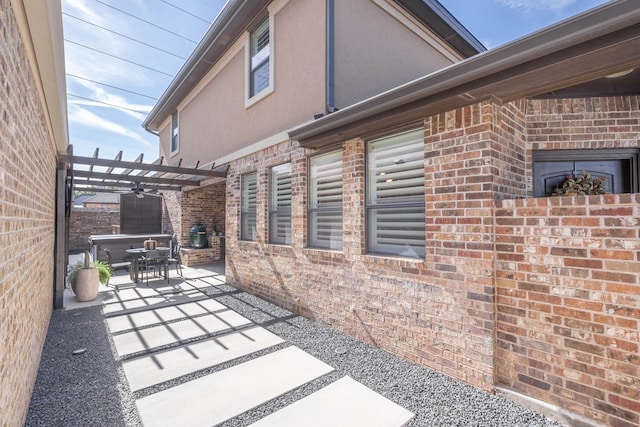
155,259
175,258
116,265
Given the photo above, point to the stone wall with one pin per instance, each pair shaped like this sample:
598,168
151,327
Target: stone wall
27,223
86,222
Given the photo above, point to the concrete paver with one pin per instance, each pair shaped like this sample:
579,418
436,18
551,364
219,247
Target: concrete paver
344,402
162,335
165,314
217,397
148,325
166,365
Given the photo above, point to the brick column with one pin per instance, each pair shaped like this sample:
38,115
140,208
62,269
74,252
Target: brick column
474,155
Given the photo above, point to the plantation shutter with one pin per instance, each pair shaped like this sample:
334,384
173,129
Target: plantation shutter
325,204
280,215
260,58
395,201
248,212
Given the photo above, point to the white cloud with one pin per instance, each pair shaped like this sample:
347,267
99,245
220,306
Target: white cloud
84,117
106,99
528,6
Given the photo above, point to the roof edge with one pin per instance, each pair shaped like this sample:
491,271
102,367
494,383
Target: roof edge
229,23
457,79
210,40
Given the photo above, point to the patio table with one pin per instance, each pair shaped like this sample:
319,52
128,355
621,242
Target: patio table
137,254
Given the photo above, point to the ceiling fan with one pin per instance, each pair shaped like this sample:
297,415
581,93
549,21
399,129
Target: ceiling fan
138,190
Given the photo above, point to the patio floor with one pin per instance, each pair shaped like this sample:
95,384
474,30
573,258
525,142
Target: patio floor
199,352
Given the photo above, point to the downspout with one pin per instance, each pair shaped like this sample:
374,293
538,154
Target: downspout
331,107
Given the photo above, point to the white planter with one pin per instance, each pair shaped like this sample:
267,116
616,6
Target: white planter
87,284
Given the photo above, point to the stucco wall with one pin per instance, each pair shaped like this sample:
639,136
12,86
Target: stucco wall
376,50
27,224
214,120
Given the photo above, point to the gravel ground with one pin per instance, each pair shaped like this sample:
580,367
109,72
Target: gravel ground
90,389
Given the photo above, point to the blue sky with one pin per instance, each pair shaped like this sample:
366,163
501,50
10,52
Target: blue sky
110,97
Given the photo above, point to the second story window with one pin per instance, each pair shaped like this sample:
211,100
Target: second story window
175,141
280,207
259,67
248,202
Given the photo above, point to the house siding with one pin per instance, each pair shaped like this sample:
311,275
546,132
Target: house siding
27,223
215,118
215,122
536,295
568,298
369,61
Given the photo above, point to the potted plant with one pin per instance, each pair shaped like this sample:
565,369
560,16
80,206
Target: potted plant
584,185
85,278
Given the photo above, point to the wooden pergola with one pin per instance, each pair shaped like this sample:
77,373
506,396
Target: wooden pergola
114,175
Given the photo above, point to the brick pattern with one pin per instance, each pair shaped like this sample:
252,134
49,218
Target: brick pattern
199,206
428,311
568,298
581,123
213,252
453,311
27,224
85,222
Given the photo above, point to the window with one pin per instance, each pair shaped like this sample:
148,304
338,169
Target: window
248,210
259,71
175,141
395,195
618,166
325,201
280,209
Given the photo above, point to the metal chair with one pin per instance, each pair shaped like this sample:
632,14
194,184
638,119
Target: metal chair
175,258
116,265
155,258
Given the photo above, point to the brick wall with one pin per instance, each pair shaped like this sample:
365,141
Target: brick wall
172,212
200,206
27,224
568,303
85,222
437,311
452,311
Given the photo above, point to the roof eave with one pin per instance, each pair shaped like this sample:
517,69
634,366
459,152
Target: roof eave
593,44
237,14
443,23
222,33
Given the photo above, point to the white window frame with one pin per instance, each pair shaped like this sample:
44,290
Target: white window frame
280,204
174,134
324,212
395,195
248,209
252,98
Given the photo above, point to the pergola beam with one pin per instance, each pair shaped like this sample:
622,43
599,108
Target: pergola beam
81,184
134,179
140,166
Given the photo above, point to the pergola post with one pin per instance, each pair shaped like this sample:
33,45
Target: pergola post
61,235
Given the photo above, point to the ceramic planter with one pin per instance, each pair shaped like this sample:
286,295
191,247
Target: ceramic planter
86,284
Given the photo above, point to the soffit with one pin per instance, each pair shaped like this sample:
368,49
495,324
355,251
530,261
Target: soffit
583,49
